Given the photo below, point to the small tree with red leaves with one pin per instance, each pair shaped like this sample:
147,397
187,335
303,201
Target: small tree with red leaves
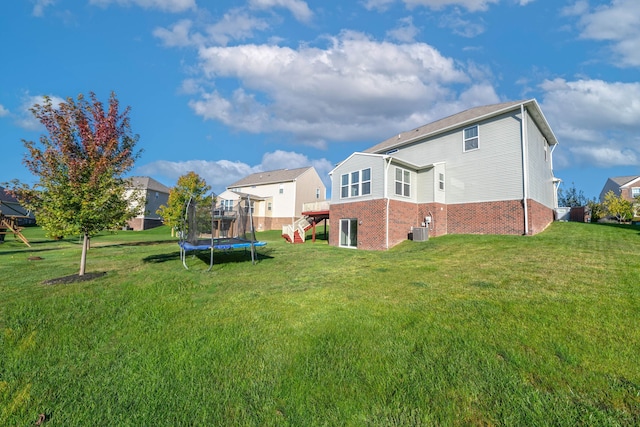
81,164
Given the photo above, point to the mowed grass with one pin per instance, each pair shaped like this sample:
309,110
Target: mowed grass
458,330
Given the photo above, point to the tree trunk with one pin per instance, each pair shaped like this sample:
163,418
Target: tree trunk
83,259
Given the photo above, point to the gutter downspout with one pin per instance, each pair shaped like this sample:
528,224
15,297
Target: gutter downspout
525,171
386,196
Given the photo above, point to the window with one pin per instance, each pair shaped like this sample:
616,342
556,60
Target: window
403,182
281,189
317,193
355,184
269,206
635,191
441,181
366,181
349,233
471,138
227,205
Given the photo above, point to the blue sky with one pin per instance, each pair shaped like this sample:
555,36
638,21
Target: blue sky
228,88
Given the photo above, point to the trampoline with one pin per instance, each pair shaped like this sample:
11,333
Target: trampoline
204,223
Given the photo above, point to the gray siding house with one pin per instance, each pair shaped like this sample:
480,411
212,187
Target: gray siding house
627,187
487,170
154,195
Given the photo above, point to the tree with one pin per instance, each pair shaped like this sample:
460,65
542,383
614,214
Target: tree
188,185
618,207
80,165
597,210
571,197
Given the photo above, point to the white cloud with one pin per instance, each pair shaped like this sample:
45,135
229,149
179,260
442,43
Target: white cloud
460,26
405,31
580,7
3,111
164,5
40,5
25,118
617,23
299,9
179,34
356,88
470,5
221,173
236,24
596,121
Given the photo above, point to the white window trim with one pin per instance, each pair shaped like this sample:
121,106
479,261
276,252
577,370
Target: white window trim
464,139
441,182
350,231
395,182
350,183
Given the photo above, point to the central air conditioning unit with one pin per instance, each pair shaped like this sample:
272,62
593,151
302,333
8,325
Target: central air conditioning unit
420,234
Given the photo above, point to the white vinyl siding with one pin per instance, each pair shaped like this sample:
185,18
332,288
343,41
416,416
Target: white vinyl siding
491,173
540,174
371,176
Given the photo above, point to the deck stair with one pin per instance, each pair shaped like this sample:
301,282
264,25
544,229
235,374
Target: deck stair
296,233
312,214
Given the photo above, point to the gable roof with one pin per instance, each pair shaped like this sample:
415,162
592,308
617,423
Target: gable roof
467,117
624,180
270,177
148,183
6,197
10,206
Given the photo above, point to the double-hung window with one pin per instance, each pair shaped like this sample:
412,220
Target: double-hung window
635,192
356,183
403,182
471,138
441,181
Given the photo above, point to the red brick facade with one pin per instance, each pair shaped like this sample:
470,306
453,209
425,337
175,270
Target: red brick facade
504,217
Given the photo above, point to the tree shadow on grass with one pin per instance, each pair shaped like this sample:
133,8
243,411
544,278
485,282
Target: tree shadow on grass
74,278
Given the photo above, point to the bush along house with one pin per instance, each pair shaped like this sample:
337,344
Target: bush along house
486,170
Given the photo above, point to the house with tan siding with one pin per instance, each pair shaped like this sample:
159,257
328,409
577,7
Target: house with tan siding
486,170
279,195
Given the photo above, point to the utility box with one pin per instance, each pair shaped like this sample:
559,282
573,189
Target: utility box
420,234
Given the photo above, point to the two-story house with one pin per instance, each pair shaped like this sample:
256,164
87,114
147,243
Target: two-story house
627,187
153,194
277,195
486,170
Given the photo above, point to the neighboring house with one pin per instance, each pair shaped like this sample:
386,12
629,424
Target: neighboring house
9,206
279,195
485,170
627,187
154,195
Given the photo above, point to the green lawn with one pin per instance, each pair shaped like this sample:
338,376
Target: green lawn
459,330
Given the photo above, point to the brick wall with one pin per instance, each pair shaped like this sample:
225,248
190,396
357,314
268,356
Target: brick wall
503,217
371,216
438,213
540,216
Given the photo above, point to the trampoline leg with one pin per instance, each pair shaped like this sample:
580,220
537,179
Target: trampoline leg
211,262
183,258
